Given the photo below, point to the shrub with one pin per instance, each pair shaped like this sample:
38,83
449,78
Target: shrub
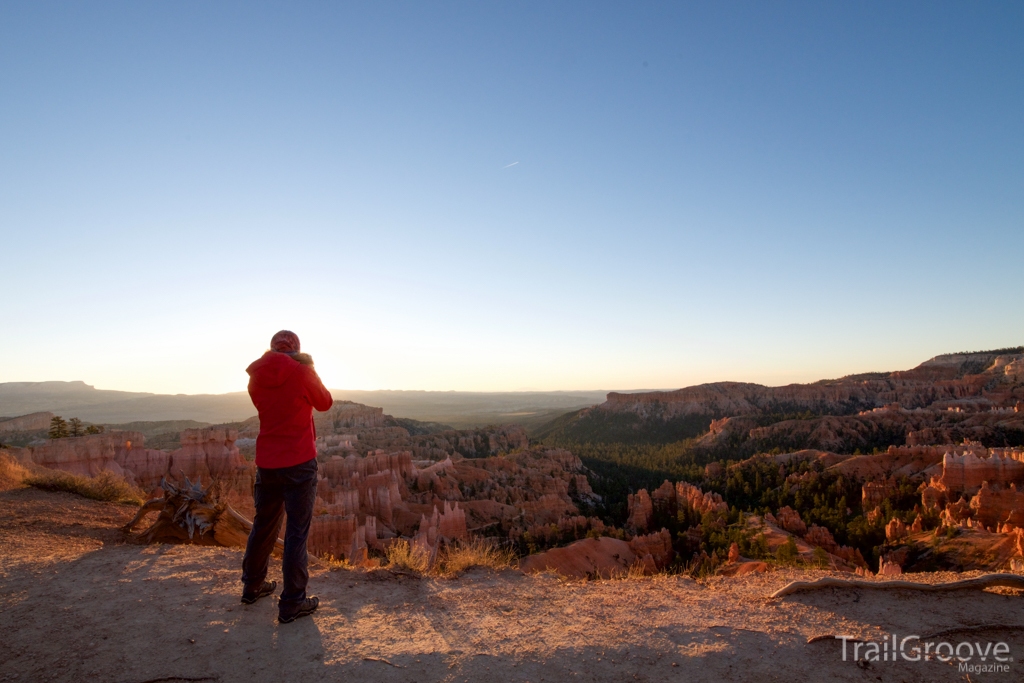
457,558
12,472
334,564
402,555
637,570
106,486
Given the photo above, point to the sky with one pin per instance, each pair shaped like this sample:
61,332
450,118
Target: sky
507,196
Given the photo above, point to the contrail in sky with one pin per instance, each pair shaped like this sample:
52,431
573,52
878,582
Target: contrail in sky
511,165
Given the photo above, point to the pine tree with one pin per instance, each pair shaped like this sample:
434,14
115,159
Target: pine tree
58,427
94,429
75,427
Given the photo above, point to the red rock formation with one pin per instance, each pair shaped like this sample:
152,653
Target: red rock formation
934,495
332,535
891,564
587,558
875,516
206,454
690,496
446,525
734,553
789,519
668,499
604,557
209,455
895,530
451,523
570,526
338,468
995,507
641,509
966,473
653,551
664,498
874,492
145,467
821,537
346,415
87,456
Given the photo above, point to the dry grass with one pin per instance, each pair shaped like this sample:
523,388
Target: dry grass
451,561
334,564
457,558
636,571
12,472
106,486
402,555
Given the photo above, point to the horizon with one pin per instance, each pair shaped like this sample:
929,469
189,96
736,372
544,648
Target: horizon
497,199
529,391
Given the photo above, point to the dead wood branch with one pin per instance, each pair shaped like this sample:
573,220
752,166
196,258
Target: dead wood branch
832,636
174,679
189,514
987,581
383,661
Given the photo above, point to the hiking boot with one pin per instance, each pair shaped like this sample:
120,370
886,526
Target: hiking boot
251,596
303,609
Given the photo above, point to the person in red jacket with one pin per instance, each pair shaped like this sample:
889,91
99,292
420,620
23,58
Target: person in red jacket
285,389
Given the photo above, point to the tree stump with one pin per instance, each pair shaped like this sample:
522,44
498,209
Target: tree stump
189,514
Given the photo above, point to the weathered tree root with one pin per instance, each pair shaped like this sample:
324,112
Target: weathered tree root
189,514
986,581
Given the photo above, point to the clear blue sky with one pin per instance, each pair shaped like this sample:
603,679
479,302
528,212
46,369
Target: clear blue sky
502,196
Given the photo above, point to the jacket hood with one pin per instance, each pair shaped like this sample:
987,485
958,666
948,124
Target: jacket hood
272,369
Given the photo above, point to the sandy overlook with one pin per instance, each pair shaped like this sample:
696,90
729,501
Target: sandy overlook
81,605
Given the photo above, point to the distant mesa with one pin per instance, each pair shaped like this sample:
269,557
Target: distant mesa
977,396
460,409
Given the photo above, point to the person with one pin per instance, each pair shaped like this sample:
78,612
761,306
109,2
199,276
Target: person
285,389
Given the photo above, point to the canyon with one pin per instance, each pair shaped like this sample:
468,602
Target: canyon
423,488
943,485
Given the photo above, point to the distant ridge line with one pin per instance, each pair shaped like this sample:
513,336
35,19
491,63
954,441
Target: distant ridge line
998,352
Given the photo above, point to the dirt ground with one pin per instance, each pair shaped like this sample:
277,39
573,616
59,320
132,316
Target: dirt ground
79,604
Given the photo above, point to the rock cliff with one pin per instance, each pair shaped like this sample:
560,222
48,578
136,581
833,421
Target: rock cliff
26,423
946,399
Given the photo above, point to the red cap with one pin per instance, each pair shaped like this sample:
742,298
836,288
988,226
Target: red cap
285,342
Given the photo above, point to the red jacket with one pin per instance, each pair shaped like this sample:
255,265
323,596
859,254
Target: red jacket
285,392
